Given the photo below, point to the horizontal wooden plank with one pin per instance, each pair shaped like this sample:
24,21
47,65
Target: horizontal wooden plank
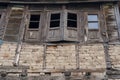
12,67
76,70
53,1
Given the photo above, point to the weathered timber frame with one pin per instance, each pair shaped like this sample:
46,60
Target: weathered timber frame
33,34
96,34
3,18
117,13
42,33
62,31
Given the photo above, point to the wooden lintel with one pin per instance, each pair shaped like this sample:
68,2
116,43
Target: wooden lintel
74,70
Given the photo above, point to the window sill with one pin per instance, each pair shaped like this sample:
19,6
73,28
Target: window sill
54,28
72,28
33,29
93,29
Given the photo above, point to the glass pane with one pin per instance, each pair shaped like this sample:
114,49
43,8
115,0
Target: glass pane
55,16
92,17
34,25
93,25
72,23
54,24
35,18
72,16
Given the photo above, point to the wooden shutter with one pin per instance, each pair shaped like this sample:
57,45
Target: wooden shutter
14,22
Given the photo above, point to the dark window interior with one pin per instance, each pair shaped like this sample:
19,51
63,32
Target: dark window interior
34,21
72,20
93,21
55,20
0,16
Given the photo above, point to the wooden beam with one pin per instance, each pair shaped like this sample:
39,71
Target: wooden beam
117,13
113,74
107,56
53,1
77,56
44,56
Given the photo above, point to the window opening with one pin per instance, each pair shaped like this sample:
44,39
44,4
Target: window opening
72,20
34,21
55,20
93,22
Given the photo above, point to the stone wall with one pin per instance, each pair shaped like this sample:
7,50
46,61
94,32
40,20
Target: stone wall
61,57
114,52
92,56
32,55
7,53
55,57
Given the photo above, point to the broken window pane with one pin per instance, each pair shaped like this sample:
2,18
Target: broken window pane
55,20
34,21
72,20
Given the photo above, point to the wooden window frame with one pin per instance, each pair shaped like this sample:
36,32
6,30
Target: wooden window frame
73,12
37,30
63,28
49,19
34,13
98,38
98,21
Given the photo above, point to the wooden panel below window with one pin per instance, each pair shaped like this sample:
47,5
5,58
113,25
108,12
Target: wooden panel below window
32,35
72,33
94,35
54,35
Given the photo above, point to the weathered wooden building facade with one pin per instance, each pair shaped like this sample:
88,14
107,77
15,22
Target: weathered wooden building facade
59,40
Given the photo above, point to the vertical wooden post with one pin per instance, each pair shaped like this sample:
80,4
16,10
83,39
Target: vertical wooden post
77,56
63,23
20,38
107,56
117,13
44,56
105,37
